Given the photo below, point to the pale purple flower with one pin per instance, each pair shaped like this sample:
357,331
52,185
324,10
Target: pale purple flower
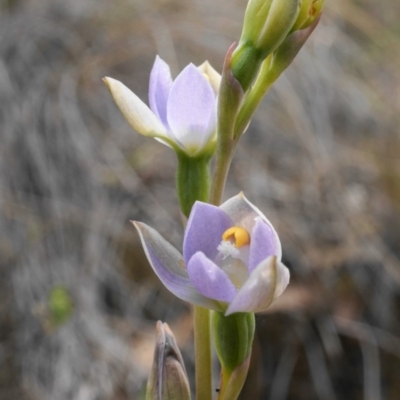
231,258
182,112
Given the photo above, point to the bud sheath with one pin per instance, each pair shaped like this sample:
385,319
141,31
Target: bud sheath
233,337
168,379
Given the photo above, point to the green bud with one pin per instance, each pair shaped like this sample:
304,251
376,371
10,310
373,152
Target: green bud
60,305
285,54
254,18
168,378
270,70
266,25
281,17
310,10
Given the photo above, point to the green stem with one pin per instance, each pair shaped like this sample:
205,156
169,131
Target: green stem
230,98
253,98
221,169
193,183
202,321
192,180
202,348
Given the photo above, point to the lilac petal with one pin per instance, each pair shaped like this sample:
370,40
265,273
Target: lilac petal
160,87
262,244
191,109
209,279
258,292
246,214
204,230
168,265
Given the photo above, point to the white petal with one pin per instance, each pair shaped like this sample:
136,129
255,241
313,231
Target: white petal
212,76
139,116
258,292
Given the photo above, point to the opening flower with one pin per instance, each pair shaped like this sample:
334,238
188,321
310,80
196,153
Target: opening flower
231,258
182,112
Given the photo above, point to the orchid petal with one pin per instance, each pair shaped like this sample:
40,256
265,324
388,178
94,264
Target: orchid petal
258,292
191,110
245,215
204,230
209,279
168,265
139,116
262,245
160,87
212,76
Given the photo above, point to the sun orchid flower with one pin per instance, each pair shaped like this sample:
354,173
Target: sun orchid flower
231,258
182,113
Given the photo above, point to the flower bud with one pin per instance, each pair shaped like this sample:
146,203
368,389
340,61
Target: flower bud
310,10
286,53
266,25
168,378
272,67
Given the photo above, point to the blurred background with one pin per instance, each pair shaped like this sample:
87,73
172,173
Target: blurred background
78,301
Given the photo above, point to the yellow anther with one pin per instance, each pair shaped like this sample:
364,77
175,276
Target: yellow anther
237,235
